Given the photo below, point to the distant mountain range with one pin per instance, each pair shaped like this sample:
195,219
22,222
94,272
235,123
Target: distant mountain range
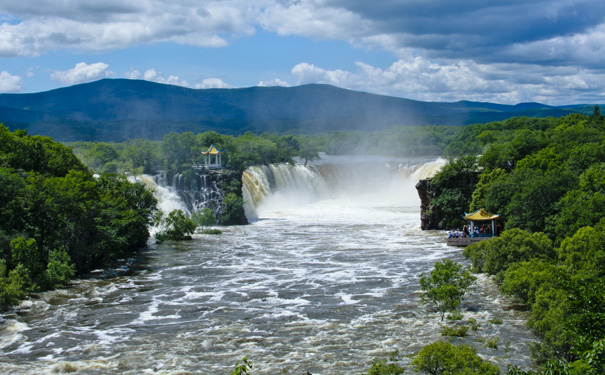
120,109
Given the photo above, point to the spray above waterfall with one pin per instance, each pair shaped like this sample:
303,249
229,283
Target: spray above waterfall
338,180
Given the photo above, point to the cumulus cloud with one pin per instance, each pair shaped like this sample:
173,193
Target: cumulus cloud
212,83
421,79
82,73
10,83
273,82
158,77
90,25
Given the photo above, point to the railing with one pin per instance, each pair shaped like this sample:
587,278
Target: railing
204,166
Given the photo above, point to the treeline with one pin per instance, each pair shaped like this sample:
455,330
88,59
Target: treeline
546,178
57,220
178,151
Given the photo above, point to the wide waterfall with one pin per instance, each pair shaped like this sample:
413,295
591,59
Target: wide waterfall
324,280
352,180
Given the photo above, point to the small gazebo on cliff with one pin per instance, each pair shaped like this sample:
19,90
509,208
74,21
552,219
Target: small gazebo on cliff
212,157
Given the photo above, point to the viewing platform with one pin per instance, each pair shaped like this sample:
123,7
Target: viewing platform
482,227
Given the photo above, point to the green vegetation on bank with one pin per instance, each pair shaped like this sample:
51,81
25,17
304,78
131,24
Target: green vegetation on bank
57,220
178,151
546,178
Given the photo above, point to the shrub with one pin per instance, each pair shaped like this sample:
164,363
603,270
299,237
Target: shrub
446,285
454,331
444,358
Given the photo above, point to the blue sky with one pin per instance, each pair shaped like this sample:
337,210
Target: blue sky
504,51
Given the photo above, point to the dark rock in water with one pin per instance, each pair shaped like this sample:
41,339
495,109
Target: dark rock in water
430,216
307,373
201,188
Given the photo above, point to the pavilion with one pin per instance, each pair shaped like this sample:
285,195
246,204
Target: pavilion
482,216
212,157
479,217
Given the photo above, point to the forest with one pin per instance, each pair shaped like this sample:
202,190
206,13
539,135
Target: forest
546,178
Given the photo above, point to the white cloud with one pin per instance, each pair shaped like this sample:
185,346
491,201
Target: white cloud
155,76
82,73
273,82
421,79
212,83
87,25
10,83
309,73
133,74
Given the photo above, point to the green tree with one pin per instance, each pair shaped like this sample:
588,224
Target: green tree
443,358
204,218
14,284
59,270
524,279
495,255
446,285
233,213
177,227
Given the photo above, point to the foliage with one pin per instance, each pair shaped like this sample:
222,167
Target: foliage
453,187
456,315
204,218
59,269
524,279
440,358
492,342
233,213
494,256
177,226
459,331
383,367
242,368
57,220
446,285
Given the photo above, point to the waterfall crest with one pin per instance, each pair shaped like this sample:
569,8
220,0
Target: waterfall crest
353,180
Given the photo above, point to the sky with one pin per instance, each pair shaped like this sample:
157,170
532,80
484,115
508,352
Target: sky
502,51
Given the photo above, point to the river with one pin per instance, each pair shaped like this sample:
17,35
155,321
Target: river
324,279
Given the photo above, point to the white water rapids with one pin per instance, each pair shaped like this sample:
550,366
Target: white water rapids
324,279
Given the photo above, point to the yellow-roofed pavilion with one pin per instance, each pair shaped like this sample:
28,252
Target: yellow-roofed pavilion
481,215
212,157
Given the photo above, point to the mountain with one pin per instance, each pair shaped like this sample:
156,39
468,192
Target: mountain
119,109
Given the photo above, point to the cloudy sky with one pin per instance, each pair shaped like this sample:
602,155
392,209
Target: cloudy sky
505,51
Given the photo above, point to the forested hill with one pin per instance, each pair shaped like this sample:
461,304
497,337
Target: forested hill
120,109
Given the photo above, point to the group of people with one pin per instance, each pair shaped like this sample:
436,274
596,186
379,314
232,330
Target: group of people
468,231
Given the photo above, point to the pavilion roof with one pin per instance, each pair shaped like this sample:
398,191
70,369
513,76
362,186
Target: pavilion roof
481,215
212,151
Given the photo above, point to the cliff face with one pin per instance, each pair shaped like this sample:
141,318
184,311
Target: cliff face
206,188
430,216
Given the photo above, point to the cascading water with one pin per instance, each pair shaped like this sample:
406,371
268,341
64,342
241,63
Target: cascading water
325,280
361,179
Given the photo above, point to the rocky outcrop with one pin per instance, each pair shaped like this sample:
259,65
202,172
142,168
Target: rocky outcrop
430,216
200,188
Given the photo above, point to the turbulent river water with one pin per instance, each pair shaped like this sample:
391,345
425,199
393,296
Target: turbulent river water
324,279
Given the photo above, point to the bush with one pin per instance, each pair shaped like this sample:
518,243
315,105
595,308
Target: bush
446,285
460,331
492,343
177,227
444,358
233,213
382,367
496,255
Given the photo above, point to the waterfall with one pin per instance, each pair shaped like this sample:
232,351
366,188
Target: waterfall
351,179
